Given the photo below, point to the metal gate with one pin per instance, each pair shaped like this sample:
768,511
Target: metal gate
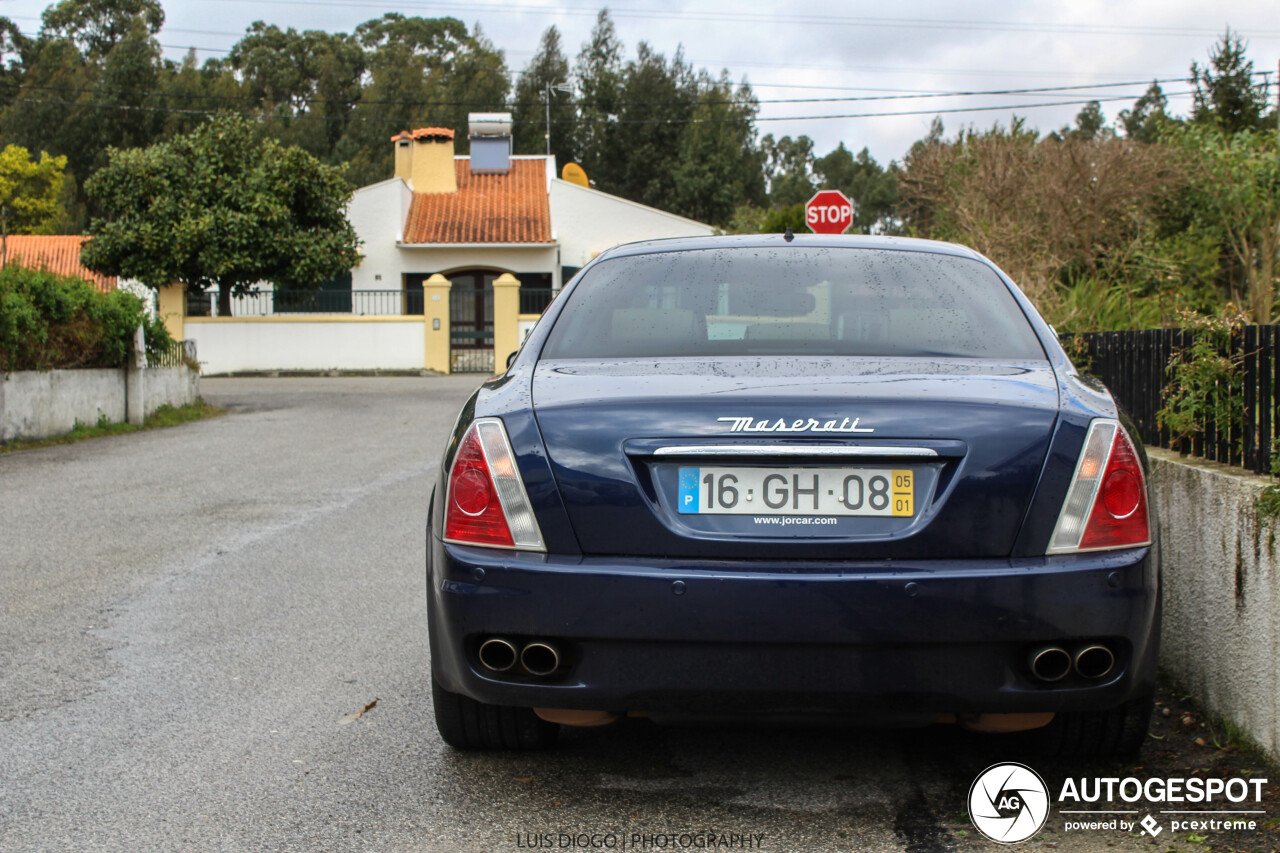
471,329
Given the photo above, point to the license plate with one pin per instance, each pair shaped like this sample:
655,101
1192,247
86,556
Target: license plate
796,491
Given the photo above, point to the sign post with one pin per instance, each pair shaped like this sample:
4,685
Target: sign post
829,212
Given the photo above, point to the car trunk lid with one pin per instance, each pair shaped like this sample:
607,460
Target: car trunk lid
952,446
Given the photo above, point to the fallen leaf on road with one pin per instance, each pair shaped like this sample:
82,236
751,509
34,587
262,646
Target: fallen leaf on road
351,718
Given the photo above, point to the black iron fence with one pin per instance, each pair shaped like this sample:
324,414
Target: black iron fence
1135,366
535,300
265,303
367,303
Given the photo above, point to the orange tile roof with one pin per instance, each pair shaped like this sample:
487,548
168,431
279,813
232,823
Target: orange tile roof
424,133
510,208
57,254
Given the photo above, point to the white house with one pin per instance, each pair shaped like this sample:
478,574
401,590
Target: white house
469,220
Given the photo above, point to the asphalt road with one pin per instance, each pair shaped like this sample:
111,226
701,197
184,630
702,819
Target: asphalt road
193,619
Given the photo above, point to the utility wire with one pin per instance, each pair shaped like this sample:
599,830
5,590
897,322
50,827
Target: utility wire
317,102
665,121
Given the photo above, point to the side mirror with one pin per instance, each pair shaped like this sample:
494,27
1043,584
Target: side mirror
511,359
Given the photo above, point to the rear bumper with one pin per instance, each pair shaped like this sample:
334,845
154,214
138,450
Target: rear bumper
862,640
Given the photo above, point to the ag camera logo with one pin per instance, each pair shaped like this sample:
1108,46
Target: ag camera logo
1008,803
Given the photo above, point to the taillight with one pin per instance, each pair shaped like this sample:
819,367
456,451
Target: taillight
486,503
1106,506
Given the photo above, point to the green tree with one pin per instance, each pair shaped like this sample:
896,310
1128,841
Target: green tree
221,207
421,72
88,81
31,191
872,188
718,167
599,72
188,91
476,80
547,72
1091,123
123,108
307,84
1147,118
779,219
1236,193
97,26
11,46
657,100
789,167
1226,95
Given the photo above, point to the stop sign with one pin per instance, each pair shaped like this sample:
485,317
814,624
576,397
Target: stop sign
829,212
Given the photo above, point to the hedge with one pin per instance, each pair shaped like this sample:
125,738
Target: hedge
49,321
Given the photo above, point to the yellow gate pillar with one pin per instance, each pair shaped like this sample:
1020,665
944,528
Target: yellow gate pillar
506,319
435,314
171,307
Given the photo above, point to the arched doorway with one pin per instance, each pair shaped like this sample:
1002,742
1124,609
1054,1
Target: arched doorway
471,320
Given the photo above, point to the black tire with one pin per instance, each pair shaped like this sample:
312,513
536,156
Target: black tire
465,723
1118,732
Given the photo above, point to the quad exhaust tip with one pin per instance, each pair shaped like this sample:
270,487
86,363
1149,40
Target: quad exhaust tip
1051,663
497,654
540,658
1094,661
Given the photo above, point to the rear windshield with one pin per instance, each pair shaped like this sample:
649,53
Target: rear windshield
792,301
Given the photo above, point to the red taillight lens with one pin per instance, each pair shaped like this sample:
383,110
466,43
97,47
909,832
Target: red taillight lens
1119,518
486,503
1106,505
473,515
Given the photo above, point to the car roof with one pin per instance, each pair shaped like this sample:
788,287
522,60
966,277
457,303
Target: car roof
762,241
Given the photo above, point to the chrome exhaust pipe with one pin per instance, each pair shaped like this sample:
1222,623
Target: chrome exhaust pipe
1051,663
1094,661
497,654
540,658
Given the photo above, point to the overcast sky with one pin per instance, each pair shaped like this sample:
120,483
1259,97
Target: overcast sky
803,49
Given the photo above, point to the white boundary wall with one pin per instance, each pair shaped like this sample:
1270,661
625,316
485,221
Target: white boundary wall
338,343
42,404
1221,571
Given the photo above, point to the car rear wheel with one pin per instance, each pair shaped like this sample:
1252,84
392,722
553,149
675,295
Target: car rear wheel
465,723
1117,732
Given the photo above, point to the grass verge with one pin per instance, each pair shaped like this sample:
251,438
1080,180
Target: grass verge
165,416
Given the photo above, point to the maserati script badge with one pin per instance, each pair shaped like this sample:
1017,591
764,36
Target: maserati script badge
798,425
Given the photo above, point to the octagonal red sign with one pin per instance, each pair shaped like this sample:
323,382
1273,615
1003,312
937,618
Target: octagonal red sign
829,212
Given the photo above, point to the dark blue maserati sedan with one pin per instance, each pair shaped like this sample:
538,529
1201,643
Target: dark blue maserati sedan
778,477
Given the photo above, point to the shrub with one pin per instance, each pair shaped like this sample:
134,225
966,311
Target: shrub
1206,379
48,321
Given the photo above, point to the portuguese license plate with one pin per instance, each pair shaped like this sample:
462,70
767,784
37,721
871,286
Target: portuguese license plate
796,491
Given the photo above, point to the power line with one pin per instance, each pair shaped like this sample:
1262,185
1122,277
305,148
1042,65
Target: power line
731,101
745,17
680,121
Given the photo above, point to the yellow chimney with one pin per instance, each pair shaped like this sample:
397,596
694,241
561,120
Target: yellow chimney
424,158
403,142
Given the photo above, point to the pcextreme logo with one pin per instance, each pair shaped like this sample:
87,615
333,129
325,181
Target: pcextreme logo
1008,803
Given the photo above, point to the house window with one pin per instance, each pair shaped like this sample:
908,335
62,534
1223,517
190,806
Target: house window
413,292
